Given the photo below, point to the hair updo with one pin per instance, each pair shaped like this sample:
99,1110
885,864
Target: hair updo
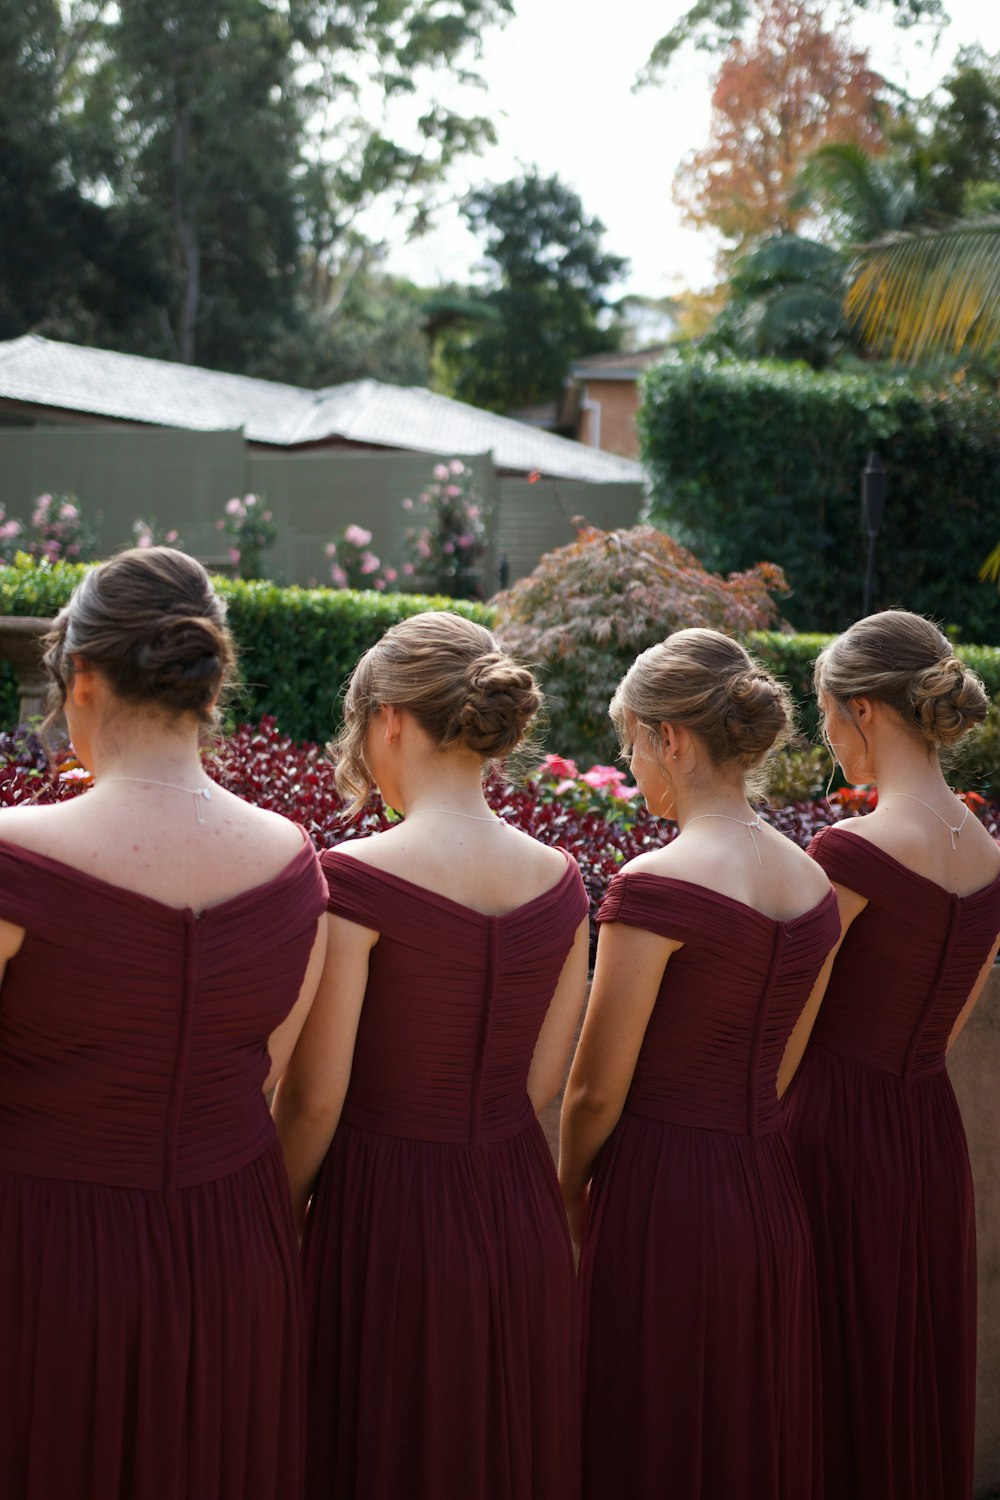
151,623
707,683
904,661
449,674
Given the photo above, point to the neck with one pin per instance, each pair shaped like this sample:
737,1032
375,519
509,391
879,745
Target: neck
724,802
157,756
916,775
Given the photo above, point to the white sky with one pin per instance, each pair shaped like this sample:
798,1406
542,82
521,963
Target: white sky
560,79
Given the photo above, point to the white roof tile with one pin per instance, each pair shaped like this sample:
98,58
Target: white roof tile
127,387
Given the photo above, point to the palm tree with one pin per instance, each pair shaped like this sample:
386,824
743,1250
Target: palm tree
935,291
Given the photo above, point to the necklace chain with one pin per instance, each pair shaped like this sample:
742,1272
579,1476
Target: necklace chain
955,829
750,827
453,812
201,794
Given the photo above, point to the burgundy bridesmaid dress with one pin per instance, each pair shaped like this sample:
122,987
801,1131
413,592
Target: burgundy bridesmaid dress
884,1166
440,1297
701,1376
150,1301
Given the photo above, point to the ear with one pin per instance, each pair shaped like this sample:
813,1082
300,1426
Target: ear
861,711
82,684
672,741
393,722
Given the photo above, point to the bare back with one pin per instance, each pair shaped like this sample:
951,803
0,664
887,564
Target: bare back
149,840
918,840
486,865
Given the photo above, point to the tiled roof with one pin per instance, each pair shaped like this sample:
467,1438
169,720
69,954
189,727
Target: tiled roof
618,366
126,387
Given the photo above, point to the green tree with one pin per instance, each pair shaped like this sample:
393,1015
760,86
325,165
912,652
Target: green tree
69,267
548,281
785,302
714,25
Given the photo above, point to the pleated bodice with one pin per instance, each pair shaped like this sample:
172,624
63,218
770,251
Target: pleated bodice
717,1033
917,946
133,1035
454,1003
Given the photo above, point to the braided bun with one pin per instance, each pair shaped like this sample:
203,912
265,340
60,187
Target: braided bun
501,699
150,622
707,683
904,660
448,673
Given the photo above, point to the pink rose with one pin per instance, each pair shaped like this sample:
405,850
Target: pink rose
560,765
331,549
441,471
456,466
407,504
234,507
338,577
369,563
357,536
391,575
234,556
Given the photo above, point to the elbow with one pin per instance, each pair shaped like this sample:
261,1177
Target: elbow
586,1100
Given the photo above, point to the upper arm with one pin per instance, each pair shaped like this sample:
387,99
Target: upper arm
319,1070
282,1040
627,979
548,1061
850,905
11,938
974,995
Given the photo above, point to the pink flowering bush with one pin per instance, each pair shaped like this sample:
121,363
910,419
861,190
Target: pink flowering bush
605,790
252,528
61,533
151,534
448,539
353,565
10,530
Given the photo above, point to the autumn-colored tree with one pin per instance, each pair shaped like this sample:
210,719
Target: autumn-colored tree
589,608
793,87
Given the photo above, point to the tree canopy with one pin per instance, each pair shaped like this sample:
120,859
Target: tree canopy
548,281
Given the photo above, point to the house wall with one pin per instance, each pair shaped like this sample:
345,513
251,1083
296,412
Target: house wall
537,518
183,479
619,404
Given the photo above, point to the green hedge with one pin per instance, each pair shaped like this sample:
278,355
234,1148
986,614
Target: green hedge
297,646
754,461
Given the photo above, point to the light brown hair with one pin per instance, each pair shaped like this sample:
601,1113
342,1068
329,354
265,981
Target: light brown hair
449,674
904,660
707,683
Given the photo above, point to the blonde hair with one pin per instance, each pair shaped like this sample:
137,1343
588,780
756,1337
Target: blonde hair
706,682
904,660
449,674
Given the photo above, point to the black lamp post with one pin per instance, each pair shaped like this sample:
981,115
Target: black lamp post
873,488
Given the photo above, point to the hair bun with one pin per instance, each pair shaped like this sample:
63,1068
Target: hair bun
180,663
757,716
501,700
947,700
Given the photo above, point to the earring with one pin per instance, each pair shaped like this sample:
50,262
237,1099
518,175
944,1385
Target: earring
674,757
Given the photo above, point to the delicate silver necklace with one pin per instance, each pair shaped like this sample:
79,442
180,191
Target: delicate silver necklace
453,812
201,794
954,829
750,827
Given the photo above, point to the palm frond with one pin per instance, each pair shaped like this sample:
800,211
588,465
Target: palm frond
935,291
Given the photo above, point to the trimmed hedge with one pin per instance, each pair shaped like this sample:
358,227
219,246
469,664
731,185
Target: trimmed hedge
753,461
297,646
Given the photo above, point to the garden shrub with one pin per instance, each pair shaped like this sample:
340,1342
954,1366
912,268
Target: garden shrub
589,608
752,460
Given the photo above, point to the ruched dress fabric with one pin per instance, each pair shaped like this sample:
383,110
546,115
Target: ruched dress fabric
150,1295
440,1297
882,1157
700,1357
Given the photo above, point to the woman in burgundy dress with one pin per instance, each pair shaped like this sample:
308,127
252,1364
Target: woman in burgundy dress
440,1299
700,1352
160,942
873,1120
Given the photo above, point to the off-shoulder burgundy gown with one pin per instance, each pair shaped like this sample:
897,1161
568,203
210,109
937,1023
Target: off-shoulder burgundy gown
700,1338
884,1166
440,1300
150,1302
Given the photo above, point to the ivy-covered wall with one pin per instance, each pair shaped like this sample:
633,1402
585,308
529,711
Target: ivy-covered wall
755,462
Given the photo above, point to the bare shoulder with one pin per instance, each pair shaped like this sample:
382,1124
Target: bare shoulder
40,829
546,857
380,850
271,829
